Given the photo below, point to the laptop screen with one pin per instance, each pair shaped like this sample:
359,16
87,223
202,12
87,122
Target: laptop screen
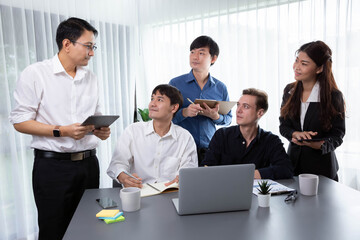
215,189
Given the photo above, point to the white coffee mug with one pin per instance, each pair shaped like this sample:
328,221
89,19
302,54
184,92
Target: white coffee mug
308,184
130,199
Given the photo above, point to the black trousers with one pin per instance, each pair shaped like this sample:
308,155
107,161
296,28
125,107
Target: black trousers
58,186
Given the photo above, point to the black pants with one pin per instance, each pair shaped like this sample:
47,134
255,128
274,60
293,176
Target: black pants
58,186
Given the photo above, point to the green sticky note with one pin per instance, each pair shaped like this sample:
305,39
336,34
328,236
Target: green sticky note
119,219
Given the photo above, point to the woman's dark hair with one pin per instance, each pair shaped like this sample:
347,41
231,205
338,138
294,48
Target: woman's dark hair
321,54
72,29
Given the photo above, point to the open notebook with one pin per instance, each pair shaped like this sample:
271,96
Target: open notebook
150,189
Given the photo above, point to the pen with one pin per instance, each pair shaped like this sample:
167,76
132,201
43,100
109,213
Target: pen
280,193
153,187
190,101
193,103
130,175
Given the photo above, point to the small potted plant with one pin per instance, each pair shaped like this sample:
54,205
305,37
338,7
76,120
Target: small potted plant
144,113
264,194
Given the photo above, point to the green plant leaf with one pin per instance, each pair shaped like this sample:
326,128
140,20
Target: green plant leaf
144,113
264,187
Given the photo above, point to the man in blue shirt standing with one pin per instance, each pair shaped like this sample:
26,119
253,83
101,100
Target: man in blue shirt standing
198,83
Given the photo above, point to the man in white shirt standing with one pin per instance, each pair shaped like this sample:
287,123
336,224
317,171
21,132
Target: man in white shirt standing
154,151
52,98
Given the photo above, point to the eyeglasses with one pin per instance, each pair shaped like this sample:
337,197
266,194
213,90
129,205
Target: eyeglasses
89,47
291,197
244,105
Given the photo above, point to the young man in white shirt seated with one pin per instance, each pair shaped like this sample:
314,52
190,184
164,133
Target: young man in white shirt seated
154,151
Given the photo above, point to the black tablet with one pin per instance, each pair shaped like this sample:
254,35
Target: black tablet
100,120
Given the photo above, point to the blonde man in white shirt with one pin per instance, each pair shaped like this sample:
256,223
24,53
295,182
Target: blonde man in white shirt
154,151
52,98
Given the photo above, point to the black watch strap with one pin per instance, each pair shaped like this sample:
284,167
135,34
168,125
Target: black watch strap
56,131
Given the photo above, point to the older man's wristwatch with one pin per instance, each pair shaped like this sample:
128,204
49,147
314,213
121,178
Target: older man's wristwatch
56,131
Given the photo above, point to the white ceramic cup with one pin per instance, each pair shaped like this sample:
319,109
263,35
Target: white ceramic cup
130,199
308,184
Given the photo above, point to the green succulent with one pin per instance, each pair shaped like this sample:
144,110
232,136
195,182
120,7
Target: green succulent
264,187
144,113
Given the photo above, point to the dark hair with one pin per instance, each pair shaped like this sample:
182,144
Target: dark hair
72,29
320,53
261,98
205,41
171,92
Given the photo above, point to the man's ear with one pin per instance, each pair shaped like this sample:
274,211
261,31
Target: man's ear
260,113
320,69
175,107
213,59
66,44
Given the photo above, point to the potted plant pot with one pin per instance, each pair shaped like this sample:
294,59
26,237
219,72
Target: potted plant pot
264,200
264,193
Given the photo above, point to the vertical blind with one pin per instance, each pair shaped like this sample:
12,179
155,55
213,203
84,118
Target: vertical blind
145,43
27,35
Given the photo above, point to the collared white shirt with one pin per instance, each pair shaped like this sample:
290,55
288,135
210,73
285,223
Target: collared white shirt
314,97
47,94
155,159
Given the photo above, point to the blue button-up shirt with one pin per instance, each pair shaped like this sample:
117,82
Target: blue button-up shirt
201,128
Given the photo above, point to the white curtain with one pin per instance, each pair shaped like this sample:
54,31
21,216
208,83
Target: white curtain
257,40
27,35
146,42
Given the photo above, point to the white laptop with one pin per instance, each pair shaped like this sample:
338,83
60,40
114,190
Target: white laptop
215,189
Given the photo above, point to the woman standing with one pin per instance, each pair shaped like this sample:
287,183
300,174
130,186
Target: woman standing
313,108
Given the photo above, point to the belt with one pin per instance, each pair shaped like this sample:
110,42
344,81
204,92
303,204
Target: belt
76,156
